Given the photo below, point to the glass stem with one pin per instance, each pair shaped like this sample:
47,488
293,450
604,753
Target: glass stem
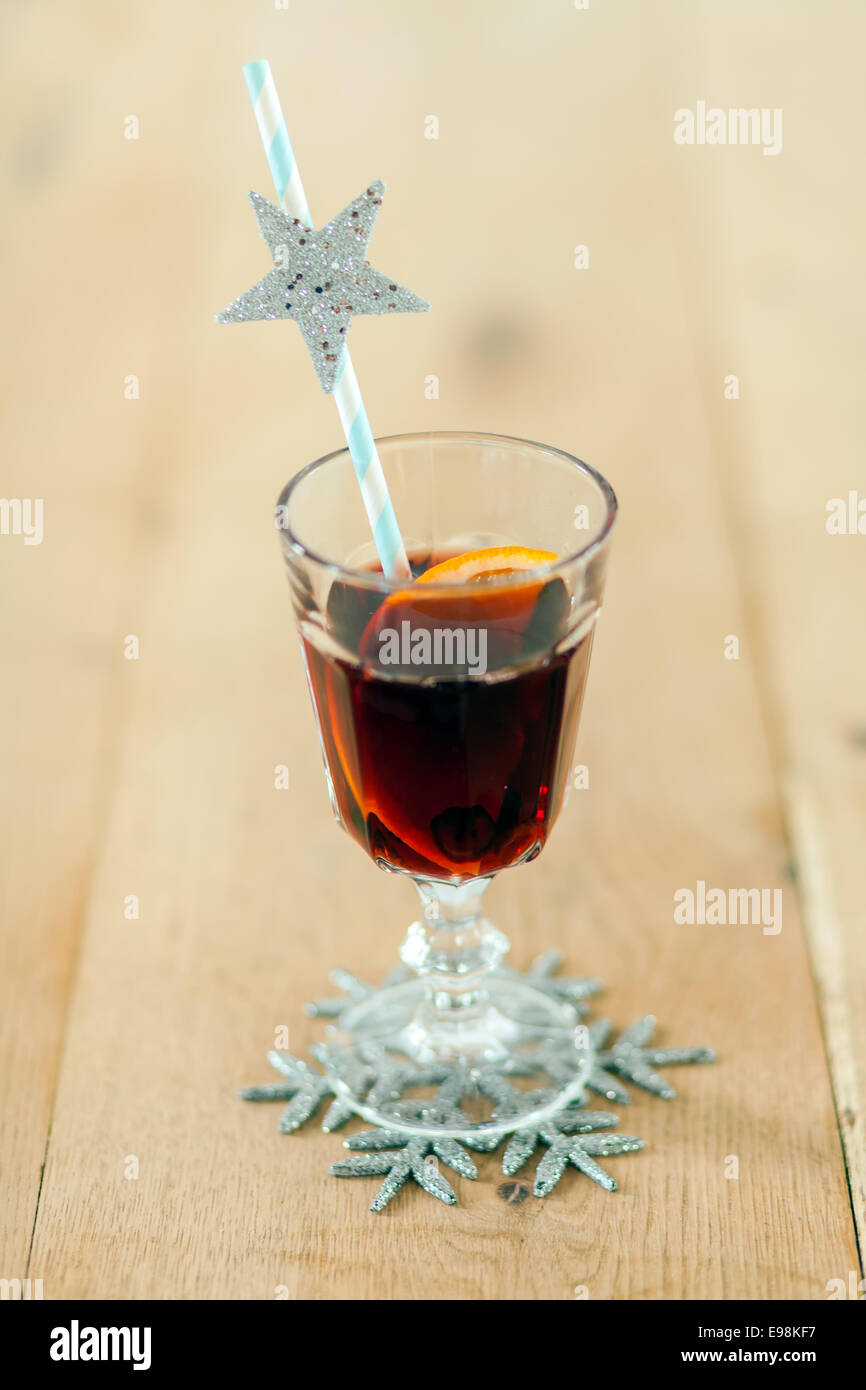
453,947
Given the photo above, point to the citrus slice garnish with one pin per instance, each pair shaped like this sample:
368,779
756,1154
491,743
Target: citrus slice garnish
462,591
480,566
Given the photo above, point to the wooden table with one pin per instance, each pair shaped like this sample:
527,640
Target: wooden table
129,1168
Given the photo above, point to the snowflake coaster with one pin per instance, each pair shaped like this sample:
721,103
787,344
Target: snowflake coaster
628,1057
631,1058
542,973
354,991
305,1089
380,1149
433,1128
564,1148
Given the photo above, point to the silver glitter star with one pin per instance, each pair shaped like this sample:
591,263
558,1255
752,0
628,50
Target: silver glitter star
564,1148
321,278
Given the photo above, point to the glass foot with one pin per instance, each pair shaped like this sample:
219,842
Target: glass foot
511,1055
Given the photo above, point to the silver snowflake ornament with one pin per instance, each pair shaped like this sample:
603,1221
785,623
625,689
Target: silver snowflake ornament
631,1057
370,1076
542,973
402,1159
354,991
393,1074
445,1108
305,1089
321,279
403,1156
571,1139
628,1057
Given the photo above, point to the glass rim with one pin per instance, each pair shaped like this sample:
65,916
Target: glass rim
375,579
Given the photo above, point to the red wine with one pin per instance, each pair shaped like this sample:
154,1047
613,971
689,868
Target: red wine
444,775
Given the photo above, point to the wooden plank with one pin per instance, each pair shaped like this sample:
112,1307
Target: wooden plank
249,894
791,328
61,696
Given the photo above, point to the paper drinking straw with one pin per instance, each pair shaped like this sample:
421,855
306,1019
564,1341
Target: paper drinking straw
347,393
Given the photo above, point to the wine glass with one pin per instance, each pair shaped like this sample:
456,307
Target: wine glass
447,710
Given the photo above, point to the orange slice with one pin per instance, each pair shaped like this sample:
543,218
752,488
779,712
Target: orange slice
460,590
480,566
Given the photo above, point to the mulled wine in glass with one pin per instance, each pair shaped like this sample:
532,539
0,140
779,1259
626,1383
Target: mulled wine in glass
447,707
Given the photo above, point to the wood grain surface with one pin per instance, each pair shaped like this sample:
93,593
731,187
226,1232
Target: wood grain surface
124,1040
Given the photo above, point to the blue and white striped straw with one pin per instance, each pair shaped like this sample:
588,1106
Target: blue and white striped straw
347,393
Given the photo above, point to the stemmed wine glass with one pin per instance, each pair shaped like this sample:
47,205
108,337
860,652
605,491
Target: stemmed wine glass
447,710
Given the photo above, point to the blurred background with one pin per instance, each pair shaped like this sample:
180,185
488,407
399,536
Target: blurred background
689,319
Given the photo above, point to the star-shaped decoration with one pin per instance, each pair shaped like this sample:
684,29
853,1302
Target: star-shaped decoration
571,1138
321,279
